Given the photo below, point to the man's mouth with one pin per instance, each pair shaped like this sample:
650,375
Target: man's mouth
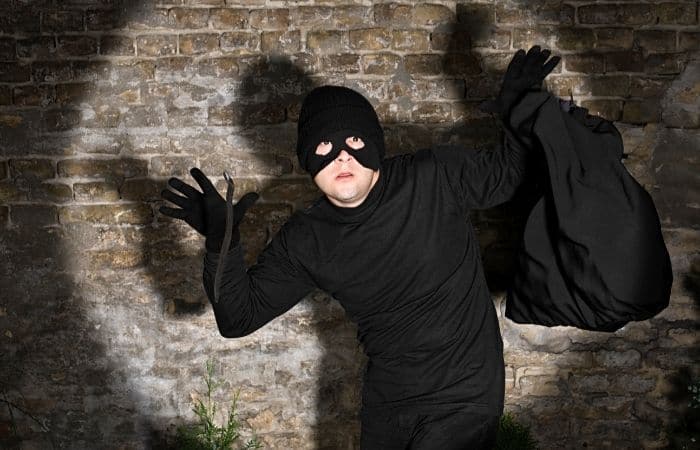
344,175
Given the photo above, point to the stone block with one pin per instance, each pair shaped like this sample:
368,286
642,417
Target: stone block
37,47
33,216
624,61
380,63
575,39
117,46
689,41
613,38
313,16
239,41
15,73
431,112
228,19
426,14
103,168
240,164
283,42
9,192
655,40
195,44
325,41
116,258
53,192
622,360
270,19
32,169
189,18
171,165
68,46
548,36
393,14
423,64
61,21
96,191
156,45
351,16
370,39
584,62
608,109
8,49
33,95
676,13
133,213
641,111
5,95
341,64
663,64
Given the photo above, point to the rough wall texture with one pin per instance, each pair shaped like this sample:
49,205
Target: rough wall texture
104,324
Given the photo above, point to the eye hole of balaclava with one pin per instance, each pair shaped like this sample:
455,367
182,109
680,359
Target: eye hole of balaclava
352,142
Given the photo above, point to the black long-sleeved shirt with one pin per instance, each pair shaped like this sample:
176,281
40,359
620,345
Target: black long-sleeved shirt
406,267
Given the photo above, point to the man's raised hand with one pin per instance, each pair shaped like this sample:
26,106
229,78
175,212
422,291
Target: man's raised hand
205,211
525,71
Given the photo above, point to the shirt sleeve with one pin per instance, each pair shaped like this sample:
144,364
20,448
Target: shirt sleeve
481,179
250,298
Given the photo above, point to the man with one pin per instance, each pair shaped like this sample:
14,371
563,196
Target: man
391,240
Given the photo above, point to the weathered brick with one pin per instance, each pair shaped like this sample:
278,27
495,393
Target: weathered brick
103,168
326,41
171,165
193,44
613,38
298,193
546,37
20,20
641,86
228,19
4,172
133,213
663,64
269,19
8,49
410,40
96,191
4,216
624,61
76,46
605,86
218,67
204,2
627,14
342,63
370,39
148,19
239,41
14,73
143,189
608,109
680,13
51,192
33,216
117,46
312,16
61,119
104,20
186,117
33,95
510,14
189,18
142,116
425,64
588,63
689,41
116,258
461,64
575,39
393,14
352,16
655,40
380,63
62,21
280,41
37,47
431,112
431,14
156,45
5,95
9,192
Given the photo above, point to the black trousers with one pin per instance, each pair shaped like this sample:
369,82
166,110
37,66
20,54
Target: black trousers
455,430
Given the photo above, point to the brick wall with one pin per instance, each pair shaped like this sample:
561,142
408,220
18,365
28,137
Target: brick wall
104,324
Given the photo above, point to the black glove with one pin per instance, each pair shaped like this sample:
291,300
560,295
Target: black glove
525,72
205,212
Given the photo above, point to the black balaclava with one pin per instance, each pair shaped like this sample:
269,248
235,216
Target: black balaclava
331,114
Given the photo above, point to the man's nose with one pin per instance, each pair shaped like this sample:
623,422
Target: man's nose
344,156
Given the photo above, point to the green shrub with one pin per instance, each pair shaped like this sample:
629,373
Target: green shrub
206,434
514,436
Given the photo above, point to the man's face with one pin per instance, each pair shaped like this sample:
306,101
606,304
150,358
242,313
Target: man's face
345,181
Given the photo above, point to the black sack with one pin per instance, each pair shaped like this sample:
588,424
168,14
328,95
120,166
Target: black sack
592,254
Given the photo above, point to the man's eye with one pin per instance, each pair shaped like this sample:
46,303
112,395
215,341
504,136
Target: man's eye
323,148
354,142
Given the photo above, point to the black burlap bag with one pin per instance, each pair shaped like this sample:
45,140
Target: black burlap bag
592,254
